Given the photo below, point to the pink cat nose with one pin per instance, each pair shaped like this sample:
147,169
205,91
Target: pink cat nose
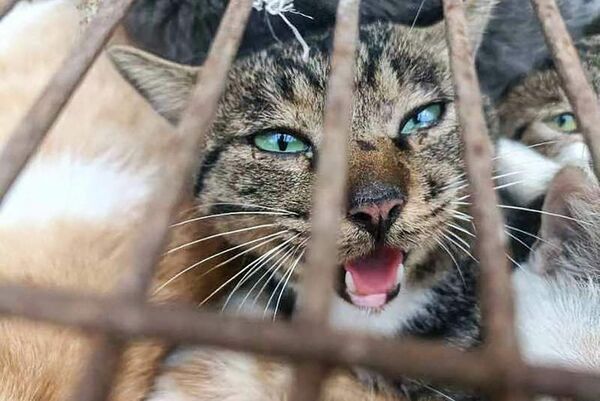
375,214
375,207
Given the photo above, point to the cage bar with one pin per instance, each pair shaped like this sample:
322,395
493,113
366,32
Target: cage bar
32,129
496,369
191,132
495,286
582,97
300,341
330,190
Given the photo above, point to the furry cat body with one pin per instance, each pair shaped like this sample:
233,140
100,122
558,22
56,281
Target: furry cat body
558,291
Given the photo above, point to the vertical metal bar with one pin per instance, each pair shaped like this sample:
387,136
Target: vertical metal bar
330,192
192,131
581,95
6,6
495,285
32,129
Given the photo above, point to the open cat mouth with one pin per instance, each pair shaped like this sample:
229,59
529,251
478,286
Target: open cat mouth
374,280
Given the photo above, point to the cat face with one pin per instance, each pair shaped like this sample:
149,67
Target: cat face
536,117
537,112
405,156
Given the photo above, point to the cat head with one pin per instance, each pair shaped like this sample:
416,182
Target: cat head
540,130
536,111
405,154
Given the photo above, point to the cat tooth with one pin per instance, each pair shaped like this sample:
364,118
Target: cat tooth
399,274
349,282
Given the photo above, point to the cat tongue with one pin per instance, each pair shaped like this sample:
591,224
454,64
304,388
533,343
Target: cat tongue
375,274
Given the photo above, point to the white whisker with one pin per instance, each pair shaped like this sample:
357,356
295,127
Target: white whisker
289,275
528,234
249,205
495,177
445,248
280,248
187,269
517,239
459,246
514,261
416,16
510,184
458,238
459,228
290,253
535,145
241,230
226,283
525,209
273,273
227,214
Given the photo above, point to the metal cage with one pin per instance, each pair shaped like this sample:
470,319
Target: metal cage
496,368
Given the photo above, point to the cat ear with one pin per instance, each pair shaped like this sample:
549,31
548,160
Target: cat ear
478,14
557,224
166,85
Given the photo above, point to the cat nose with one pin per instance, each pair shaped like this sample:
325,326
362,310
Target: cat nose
376,207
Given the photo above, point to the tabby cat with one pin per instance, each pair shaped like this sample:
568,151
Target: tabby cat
542,134
404,263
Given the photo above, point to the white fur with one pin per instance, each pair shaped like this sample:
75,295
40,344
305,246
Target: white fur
386,322
576,153
227,375
166,389
70,187
526,165
558,321
15,25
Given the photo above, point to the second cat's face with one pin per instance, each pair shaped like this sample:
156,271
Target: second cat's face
537,113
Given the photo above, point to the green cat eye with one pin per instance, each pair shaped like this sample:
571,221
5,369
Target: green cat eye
422,118
280,142
564,122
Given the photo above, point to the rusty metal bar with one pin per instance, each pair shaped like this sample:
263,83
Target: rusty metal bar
495,285
303,341
6,6
330,194
191,132
32,129
330,187
298,340
582,97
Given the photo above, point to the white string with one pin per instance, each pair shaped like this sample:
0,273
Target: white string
280,7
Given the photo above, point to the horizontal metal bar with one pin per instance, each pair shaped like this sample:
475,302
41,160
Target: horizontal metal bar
302,341
495,285
298,341
330,194
581,95
32,129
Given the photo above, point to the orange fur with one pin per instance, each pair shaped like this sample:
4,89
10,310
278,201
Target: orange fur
105,120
